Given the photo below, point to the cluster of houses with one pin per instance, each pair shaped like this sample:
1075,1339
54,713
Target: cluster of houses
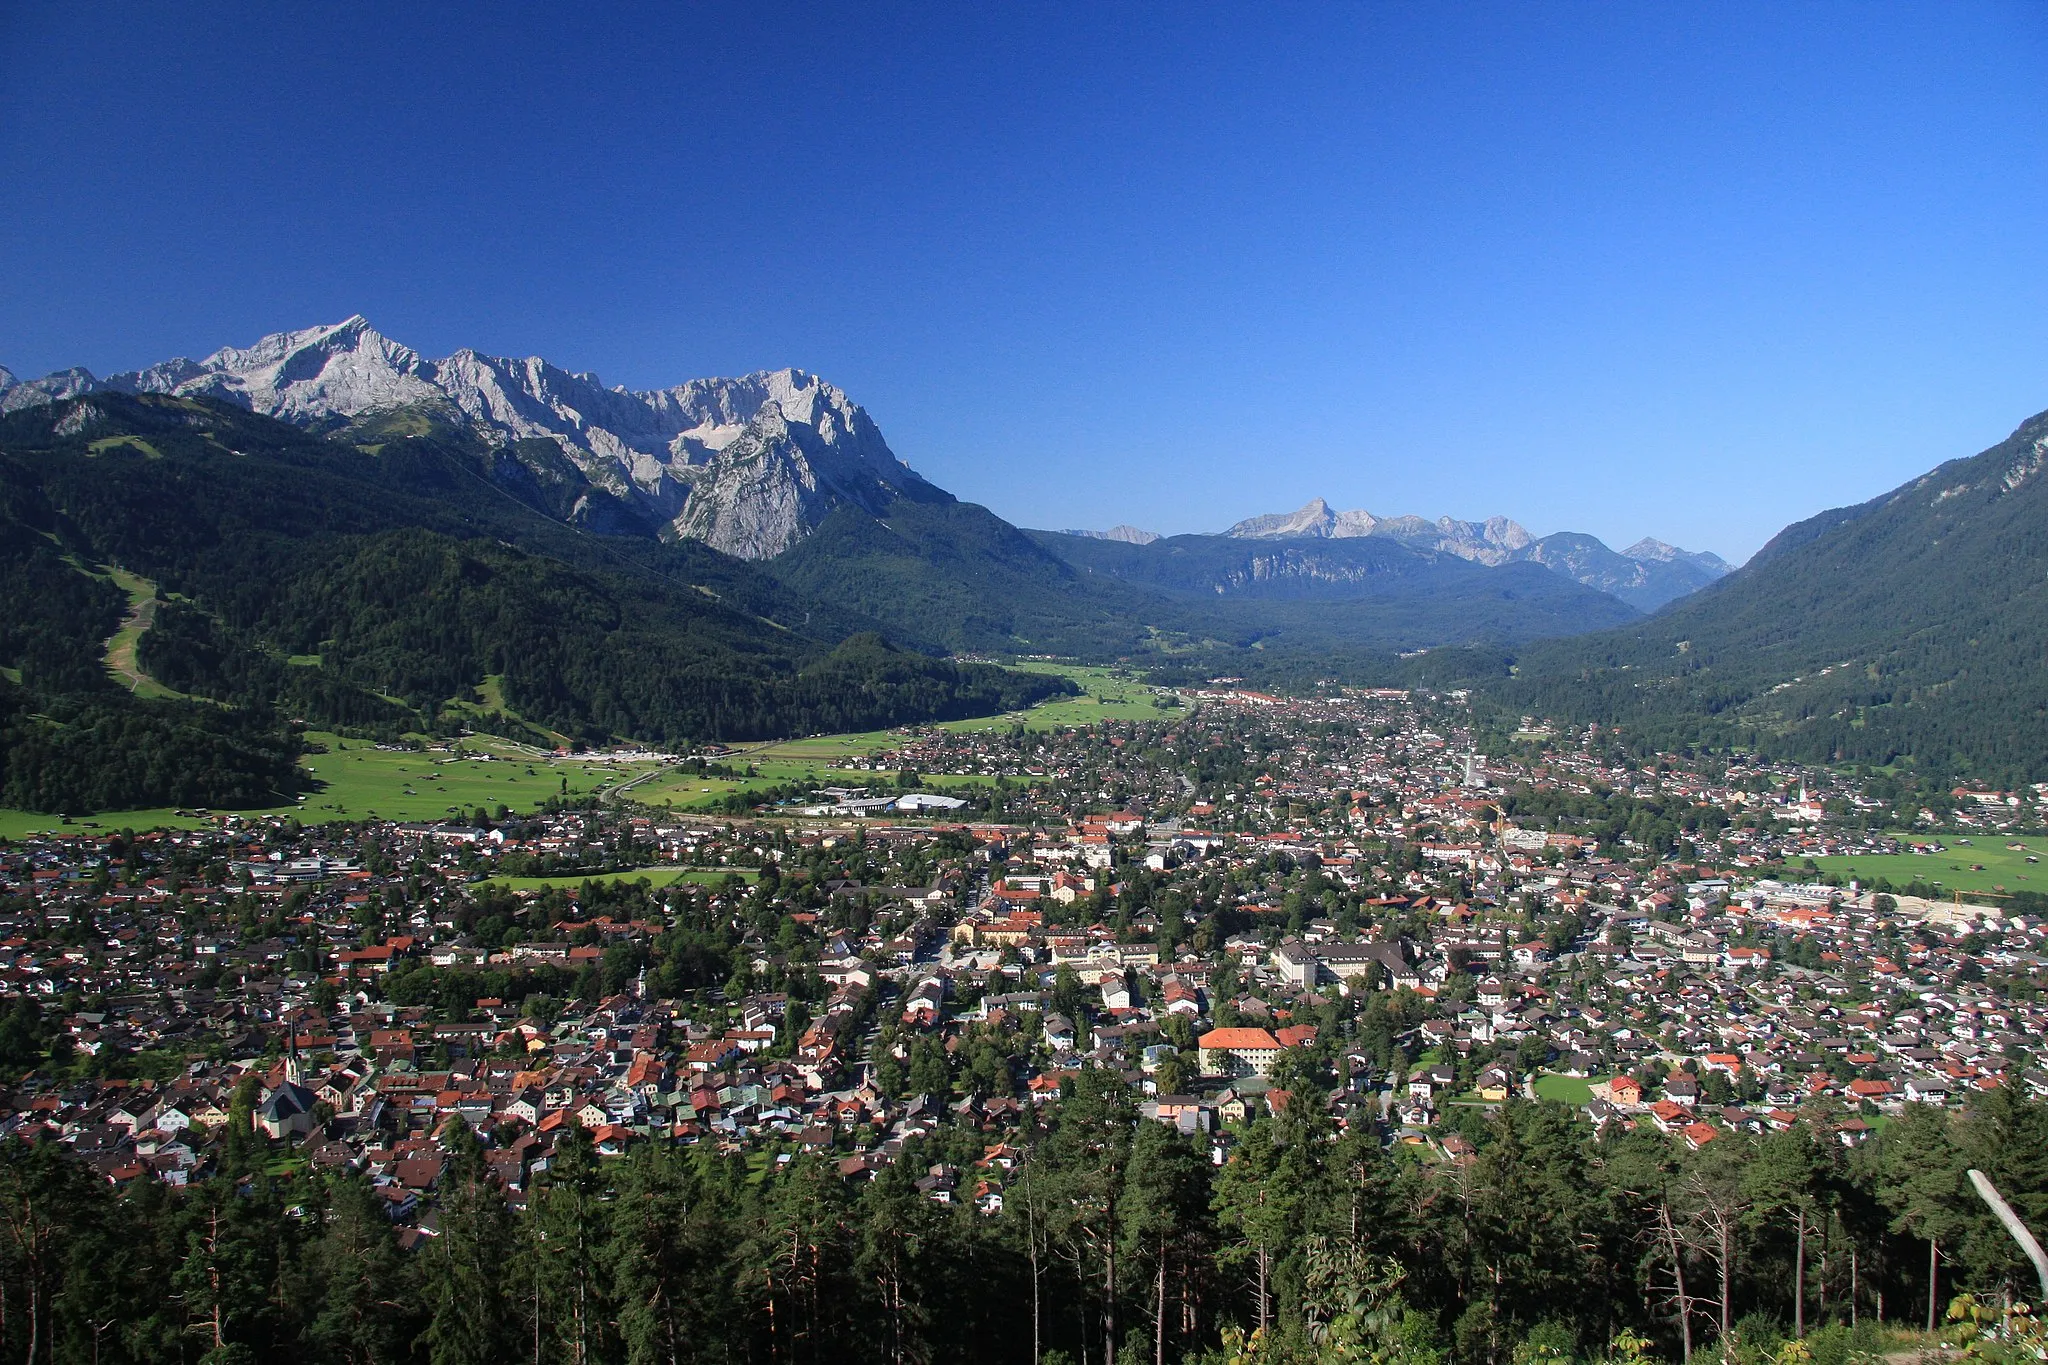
1184,902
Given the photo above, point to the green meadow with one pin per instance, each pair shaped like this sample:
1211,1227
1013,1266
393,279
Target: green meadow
1985,864
360,781
653,876
1573,1090
818,758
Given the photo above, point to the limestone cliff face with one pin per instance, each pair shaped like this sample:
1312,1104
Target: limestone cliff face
748,465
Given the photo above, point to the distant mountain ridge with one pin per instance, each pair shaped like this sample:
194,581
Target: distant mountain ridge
1486,542
749,466
1128,534
1647,575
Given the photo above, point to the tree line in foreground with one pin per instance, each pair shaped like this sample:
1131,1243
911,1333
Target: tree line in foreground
1118,1239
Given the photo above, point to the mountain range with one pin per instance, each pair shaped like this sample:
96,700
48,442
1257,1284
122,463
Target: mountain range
1646,575
394,576
327,526
783,469
748,466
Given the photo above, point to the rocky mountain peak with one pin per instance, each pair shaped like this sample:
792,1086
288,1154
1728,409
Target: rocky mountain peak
676,454
1651,550
1313,519
1128,534
1488,542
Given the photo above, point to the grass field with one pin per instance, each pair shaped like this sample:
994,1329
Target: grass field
362,780
817,759
107,443
654,876
1104,698
683,792
1574,1090
2003,869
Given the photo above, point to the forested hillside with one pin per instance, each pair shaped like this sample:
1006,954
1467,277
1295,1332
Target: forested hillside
375,585
1912,626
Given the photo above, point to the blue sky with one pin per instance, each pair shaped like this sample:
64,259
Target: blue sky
1629,269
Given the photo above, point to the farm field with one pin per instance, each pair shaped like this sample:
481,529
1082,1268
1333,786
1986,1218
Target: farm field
2003,869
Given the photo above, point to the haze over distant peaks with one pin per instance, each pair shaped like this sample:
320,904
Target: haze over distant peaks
1647,575
748,465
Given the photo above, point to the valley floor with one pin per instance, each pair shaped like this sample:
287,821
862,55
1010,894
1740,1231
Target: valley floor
362,780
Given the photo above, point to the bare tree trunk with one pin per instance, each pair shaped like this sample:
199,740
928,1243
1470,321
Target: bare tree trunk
1820,1289
1725,1235
212,1281
1933,1273
1854,1289
1159,1311
1031,1239
1678,1279
1799,1282
582,1342
1109,1296
1081,1302
1080,1257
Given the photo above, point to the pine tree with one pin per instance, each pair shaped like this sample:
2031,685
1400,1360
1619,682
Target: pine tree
1783,1184
363,1313
1920,1181
471,1316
